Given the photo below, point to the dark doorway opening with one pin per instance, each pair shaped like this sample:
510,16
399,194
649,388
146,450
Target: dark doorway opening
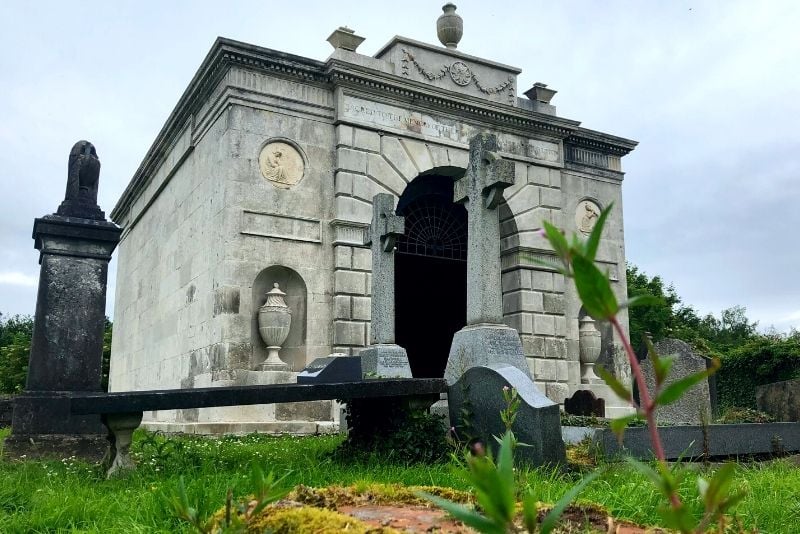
430,273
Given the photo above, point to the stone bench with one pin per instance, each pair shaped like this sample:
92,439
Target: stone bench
122,412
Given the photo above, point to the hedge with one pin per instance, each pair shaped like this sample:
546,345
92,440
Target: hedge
760,361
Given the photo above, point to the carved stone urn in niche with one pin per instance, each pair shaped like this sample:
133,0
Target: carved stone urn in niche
274,321
589,344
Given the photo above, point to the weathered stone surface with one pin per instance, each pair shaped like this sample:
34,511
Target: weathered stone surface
385,361
6,407
304,411
482,189
83,177
695,404
383,232
584,402
780,399
333,368
67,342
538,423
484,345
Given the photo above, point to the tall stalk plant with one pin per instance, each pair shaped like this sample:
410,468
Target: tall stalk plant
577,262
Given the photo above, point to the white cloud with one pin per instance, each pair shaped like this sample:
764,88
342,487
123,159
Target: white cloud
18,279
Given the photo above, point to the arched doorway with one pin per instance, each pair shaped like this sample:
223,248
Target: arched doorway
430,273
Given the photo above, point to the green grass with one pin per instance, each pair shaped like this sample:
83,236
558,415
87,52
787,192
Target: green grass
71,496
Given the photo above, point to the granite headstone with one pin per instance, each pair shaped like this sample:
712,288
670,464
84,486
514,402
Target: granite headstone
479,393
695,404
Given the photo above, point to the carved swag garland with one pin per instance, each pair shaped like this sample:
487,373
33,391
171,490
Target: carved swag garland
460,73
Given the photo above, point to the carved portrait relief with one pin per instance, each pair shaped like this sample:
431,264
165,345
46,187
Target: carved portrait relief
586,215
281,164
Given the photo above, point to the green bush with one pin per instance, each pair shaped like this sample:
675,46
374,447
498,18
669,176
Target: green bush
760,361
15,345
391,430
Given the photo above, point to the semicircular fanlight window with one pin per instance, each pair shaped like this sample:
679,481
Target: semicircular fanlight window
434,227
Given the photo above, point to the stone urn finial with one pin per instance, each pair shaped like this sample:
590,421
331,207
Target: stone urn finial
589,344
449,26
274,321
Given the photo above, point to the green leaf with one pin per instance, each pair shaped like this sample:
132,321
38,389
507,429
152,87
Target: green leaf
594,289
557,241
619,425
558,268
552,516
661,368
675,390
465,515
612,382
529,512
593,242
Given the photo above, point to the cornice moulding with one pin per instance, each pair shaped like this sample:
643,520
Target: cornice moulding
227,52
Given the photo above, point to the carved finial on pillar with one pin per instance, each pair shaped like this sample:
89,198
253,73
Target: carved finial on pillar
450,26
345,38
83,177
540,93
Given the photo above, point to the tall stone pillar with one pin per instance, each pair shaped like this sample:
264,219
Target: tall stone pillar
485,339
384,358
75,246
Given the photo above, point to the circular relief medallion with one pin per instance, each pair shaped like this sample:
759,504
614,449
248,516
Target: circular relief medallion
281,164
586,215
460,73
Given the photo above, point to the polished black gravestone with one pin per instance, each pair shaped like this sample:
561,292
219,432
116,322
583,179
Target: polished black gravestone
331,369
75,247
584,402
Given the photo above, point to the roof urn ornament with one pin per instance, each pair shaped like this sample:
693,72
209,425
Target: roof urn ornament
274,321
450,26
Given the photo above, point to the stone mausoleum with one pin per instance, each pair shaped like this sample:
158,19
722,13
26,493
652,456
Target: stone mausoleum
256,197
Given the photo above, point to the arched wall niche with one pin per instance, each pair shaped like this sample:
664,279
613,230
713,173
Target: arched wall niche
606,358
293,351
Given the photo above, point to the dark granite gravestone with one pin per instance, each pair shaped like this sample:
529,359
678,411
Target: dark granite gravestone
331,369
584,402
75,247
479,393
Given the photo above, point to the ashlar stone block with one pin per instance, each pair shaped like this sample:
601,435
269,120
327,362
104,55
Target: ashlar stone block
349,333
419,154
350,282
348,159
544,325
366,140
379,170
551,197
397,156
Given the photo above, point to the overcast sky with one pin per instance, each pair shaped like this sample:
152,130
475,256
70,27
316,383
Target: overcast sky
711,91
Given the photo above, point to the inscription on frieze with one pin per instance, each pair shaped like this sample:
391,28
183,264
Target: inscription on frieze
401,120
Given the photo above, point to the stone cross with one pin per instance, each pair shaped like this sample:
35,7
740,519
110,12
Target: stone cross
481,189
382,234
